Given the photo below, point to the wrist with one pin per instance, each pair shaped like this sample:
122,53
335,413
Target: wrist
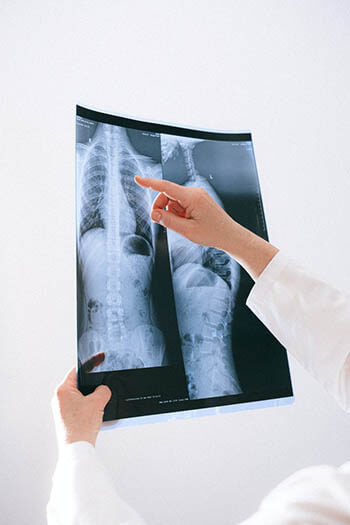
236,239
251,251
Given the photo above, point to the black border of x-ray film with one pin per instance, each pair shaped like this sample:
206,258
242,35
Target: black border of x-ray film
160,128
166,379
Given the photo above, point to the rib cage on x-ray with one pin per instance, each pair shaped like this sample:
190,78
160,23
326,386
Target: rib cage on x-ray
116,255
205,282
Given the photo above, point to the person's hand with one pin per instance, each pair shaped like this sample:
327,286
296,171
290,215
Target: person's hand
78,417
190,211
193,213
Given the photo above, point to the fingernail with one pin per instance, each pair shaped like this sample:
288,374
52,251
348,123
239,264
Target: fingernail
156,216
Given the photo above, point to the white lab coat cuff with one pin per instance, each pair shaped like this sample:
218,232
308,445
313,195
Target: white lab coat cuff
256,300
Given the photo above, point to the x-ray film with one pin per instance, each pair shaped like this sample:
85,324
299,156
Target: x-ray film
162,321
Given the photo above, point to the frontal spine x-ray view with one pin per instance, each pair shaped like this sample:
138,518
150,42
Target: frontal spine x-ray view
116,254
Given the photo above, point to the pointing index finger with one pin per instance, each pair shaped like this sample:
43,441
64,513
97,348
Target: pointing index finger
170,189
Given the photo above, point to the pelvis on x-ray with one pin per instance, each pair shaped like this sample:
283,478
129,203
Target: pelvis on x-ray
205,282
116,255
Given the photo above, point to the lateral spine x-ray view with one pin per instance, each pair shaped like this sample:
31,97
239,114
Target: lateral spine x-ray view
199,273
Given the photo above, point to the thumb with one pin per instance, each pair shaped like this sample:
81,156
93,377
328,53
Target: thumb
172,221
101,395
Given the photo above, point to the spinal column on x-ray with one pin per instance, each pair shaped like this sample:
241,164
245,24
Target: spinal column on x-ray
116,254
205,282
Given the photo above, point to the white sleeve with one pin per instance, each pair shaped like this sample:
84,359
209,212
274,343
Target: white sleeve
83,493
311,495
310,318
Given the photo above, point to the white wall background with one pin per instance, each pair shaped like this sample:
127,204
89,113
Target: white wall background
279,68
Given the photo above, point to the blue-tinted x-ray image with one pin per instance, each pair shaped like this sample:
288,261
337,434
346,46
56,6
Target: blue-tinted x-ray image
161,320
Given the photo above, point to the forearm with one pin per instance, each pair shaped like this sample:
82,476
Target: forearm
251,251
310,318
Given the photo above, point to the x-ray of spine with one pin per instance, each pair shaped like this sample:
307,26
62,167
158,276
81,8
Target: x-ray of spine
116,254
205,282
